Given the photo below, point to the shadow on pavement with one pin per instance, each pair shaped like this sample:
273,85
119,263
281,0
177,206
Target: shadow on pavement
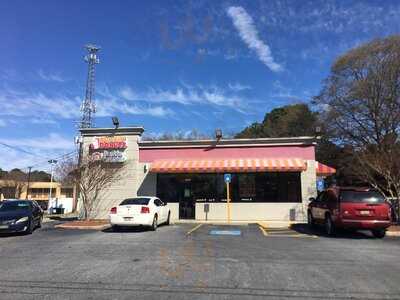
135,229
126,229
340,233
11,234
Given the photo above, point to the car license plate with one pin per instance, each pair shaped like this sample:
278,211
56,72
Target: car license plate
128,218
364,212
3,226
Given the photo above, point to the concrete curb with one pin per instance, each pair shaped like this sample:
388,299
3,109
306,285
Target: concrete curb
393,233
81,227
269,224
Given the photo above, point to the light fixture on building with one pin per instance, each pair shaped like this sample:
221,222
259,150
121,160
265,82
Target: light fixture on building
318,131
115,122
218,134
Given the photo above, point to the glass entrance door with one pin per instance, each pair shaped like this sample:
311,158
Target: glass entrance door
187,204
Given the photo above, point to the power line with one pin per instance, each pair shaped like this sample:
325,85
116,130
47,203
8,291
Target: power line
19,149
45,162
64,156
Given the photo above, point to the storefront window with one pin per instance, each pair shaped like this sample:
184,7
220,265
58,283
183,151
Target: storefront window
168,187
247,187
221,187
244,187
204,187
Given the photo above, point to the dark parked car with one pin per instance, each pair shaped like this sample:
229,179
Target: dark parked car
350,208
20,216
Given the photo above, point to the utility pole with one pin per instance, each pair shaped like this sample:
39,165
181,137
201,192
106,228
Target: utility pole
88,107
52,162
29,180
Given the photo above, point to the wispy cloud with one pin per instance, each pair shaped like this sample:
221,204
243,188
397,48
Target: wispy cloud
52,107
237,87
191,95
110,107
286,93
110,103
41,148
127,93
50,77
244,24
53,141
20,104
43,120
2,123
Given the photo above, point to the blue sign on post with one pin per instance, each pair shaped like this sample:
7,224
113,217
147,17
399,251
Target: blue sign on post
227,178
320,184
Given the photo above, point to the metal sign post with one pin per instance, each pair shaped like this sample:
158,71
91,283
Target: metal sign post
227,179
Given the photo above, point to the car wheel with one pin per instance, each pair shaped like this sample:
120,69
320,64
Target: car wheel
329,227
29,228
310,219
39,225
115,228
168,219
154,225
379,233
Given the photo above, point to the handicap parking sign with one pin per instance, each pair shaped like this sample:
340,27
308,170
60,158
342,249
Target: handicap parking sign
320,184
227,178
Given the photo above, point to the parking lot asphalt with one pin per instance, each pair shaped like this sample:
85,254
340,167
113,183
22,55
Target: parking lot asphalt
187,262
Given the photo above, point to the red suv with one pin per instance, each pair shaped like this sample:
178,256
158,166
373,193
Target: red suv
350,208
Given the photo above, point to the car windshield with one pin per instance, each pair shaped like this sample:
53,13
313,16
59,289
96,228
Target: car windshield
136,201
14,205
362,197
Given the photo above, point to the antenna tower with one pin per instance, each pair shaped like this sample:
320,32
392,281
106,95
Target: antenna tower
88,107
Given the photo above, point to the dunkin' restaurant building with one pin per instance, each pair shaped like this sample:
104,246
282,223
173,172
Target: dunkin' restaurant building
271,178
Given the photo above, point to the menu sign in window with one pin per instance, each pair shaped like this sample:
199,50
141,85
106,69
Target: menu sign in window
247,187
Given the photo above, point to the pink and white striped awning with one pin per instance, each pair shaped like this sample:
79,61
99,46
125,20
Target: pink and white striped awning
228,165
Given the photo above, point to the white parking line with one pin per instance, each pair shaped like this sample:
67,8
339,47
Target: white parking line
193,229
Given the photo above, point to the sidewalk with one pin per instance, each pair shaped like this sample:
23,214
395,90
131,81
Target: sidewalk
393,230
263,223
85,224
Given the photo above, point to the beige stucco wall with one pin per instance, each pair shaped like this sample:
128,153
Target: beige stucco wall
127,183
146,181
308,185
249,211
174,208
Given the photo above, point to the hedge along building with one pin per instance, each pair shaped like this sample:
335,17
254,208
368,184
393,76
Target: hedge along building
271,178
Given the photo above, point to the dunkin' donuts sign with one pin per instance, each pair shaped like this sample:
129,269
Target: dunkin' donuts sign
109,149
114,142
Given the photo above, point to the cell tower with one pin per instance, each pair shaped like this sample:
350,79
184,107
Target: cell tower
88,107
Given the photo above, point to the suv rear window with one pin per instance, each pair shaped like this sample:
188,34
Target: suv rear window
361,197
136,201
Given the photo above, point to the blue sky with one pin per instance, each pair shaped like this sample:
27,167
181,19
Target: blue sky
167,65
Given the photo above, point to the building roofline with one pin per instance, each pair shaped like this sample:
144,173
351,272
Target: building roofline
134,130
286,141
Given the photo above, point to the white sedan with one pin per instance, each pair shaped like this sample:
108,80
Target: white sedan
146,211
